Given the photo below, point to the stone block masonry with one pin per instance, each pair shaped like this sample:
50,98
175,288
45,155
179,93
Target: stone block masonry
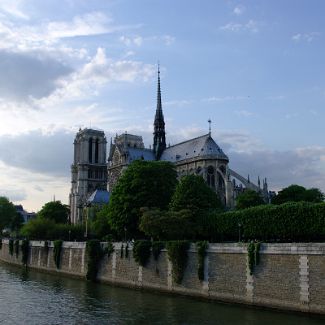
289,276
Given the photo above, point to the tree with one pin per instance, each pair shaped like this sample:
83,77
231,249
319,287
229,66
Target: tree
100,226
7,212
167,225
296,193
247,199
16,222
143,184
192,193
313,195
55,211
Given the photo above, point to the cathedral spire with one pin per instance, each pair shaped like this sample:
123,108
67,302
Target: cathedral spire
159,139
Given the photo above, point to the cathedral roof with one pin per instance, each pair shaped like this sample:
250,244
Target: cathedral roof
137,153
203,146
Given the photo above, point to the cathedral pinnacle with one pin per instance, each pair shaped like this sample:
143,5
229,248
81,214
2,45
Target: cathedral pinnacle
159,140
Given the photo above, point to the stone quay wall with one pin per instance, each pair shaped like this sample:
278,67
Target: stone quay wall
289,276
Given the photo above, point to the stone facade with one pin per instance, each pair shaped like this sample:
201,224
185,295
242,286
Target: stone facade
88,171
289,276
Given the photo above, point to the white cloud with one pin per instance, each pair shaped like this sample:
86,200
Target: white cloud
239,10
169,40
178,102
13,8
305,37
303,166
251,26
129,41
99,71
243,113
224,98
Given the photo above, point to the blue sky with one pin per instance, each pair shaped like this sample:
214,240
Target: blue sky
256,68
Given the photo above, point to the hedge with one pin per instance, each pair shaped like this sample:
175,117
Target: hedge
301,221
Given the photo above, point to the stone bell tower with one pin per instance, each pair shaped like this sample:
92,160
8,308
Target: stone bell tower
88,171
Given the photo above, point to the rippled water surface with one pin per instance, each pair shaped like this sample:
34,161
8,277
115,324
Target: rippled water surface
37,298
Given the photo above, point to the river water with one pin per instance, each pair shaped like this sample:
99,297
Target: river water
37,298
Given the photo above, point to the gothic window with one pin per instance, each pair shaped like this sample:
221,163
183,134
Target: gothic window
223,169
198,171
90,150
96,150
211,177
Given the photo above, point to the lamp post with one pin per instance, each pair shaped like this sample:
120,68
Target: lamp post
125,234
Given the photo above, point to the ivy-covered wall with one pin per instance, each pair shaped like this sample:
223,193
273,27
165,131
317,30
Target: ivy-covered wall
287,276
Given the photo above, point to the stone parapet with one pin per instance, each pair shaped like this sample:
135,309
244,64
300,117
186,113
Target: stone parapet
289,276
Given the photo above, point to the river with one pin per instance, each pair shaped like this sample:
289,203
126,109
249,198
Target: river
38,298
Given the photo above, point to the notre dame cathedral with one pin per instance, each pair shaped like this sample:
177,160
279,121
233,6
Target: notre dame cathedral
94,176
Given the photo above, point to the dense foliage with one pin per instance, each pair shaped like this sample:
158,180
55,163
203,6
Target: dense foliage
11,246
141,251
55,211
201,252
99,226
248,199
45,229
167,225
301,221
253,251
297,193
177,254
143,184
16,247
25,251
57,252
7,213
94,253
192,193
157,246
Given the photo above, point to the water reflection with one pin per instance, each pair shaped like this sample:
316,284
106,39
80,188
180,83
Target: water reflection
37,298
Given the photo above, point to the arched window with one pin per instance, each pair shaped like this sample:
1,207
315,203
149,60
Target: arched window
90,150
211,177
96,150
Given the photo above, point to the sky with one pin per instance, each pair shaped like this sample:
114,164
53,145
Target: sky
255,68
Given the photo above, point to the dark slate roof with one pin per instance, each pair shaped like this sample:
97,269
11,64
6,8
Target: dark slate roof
203,146
137,153
99,197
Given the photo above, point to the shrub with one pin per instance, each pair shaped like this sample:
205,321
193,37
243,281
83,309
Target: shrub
11,247
177,254
16,246
141,251
157,246
25,251
95,254
46,247
300,221
253,251
45,229
201,252
57,252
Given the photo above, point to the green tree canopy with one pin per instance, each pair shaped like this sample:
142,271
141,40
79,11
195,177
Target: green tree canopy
247,199
296,193
7,212
167,225
55,211
142,184
99,226
192,193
